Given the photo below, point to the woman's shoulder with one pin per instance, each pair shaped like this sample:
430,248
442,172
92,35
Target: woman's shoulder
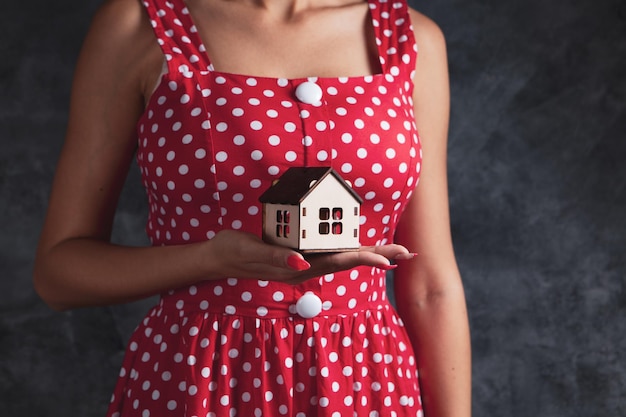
428,33
121,42
121,17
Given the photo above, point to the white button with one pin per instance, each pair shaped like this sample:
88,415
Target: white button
309,305
308,92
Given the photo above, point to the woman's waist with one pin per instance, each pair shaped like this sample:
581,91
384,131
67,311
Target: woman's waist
342,293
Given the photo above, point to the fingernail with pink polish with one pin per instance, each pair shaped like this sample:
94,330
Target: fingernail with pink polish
387,267
297,263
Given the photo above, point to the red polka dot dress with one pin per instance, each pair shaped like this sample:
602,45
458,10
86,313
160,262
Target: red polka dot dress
210,144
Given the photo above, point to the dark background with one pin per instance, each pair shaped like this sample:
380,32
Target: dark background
538,202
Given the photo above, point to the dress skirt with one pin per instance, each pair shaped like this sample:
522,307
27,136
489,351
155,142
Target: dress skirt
261,348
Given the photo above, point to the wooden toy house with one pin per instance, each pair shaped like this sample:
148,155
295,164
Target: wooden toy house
311,209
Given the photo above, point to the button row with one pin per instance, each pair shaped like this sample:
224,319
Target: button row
309,305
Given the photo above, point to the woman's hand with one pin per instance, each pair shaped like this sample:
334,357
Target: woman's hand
244,255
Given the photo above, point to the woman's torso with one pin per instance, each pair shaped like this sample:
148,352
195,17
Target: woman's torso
211,142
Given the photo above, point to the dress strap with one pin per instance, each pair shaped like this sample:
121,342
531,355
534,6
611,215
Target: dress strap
397,48
177,36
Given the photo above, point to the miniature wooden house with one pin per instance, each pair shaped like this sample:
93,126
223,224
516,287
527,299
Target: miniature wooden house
311,209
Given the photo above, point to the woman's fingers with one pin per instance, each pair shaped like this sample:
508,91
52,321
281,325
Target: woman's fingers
391,252
244,255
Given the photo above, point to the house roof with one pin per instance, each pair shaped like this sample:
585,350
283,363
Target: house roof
295,184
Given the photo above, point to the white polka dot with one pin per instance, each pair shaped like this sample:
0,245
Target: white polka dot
291,156
273,170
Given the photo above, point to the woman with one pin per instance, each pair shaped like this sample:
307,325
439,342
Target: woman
214,112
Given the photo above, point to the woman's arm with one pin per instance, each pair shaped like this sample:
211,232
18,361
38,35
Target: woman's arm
429,292
76,265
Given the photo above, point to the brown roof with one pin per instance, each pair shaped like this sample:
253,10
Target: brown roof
295,184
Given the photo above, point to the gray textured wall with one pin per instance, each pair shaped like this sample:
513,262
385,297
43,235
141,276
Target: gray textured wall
537,179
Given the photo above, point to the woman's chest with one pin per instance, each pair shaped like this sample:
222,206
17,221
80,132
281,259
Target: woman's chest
225,136
323,41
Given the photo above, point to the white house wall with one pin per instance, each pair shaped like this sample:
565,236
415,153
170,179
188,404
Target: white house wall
269,228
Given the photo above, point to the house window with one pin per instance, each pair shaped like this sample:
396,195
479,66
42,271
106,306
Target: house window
325,227
282,223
